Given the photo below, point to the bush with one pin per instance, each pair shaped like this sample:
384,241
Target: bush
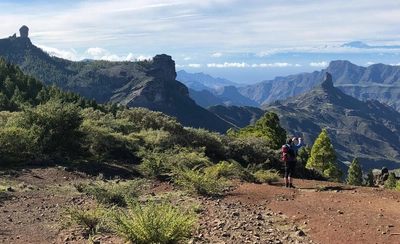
104,143
211,142
55,126
154,223
187,158
248,150
156,140
226,169
17,146
92,219
153,165
266,176
111,193
196,181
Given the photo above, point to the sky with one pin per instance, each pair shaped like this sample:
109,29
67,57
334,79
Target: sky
242,41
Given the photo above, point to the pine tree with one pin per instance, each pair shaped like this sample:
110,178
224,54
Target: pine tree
390,183
370,179
267,126
323,157
302,156
354,174
270,128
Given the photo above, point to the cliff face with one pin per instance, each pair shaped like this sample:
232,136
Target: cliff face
158,90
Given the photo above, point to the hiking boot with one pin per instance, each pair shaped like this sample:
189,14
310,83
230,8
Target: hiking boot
292,186
287,185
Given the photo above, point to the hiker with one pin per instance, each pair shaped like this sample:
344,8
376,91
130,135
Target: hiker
290,163
296,144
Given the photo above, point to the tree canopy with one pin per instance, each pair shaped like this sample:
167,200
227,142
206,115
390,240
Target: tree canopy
354,174
323,157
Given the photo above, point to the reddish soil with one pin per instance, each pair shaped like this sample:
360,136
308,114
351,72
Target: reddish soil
31,212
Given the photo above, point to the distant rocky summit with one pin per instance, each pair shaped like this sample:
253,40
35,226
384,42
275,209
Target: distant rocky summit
24,31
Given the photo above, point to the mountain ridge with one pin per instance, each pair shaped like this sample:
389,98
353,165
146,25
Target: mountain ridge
151,84
368,130
378,81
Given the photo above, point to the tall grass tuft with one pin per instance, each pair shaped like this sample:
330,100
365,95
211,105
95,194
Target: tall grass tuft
160,223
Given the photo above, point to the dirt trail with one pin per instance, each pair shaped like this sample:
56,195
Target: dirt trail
252,213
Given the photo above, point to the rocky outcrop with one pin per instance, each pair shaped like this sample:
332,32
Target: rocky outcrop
24,31
157,90
327,83
381,177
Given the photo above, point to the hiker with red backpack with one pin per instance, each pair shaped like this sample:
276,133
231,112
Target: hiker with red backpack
289,154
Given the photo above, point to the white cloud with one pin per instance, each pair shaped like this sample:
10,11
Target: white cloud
97,52
275,65
319,64
228,65
195,65
216,55
187,58
71,54
179,66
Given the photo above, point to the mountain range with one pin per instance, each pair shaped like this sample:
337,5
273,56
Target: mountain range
378,81
305,102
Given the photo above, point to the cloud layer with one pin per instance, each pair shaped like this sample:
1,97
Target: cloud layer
210,34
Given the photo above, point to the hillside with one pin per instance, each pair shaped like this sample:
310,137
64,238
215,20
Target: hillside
151,83
368,130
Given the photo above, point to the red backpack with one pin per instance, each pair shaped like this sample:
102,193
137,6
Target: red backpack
287,153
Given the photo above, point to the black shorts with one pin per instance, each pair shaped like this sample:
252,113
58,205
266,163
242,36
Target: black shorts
290,168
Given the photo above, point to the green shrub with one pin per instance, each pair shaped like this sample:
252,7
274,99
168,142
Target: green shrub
91,219
225,169
17,146
159,140
248,150
196,181
187,158
112,193
211,142
154,223
55,127
153,164
390,183
104,143
156,163
266,176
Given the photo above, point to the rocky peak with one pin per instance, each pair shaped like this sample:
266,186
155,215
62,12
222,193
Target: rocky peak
327,84
163,68
24,31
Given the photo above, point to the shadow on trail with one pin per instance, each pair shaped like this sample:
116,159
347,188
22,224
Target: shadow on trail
328,188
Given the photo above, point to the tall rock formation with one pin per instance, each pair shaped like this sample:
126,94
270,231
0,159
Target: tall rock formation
24,31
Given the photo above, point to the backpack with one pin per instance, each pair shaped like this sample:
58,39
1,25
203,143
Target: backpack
287,153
